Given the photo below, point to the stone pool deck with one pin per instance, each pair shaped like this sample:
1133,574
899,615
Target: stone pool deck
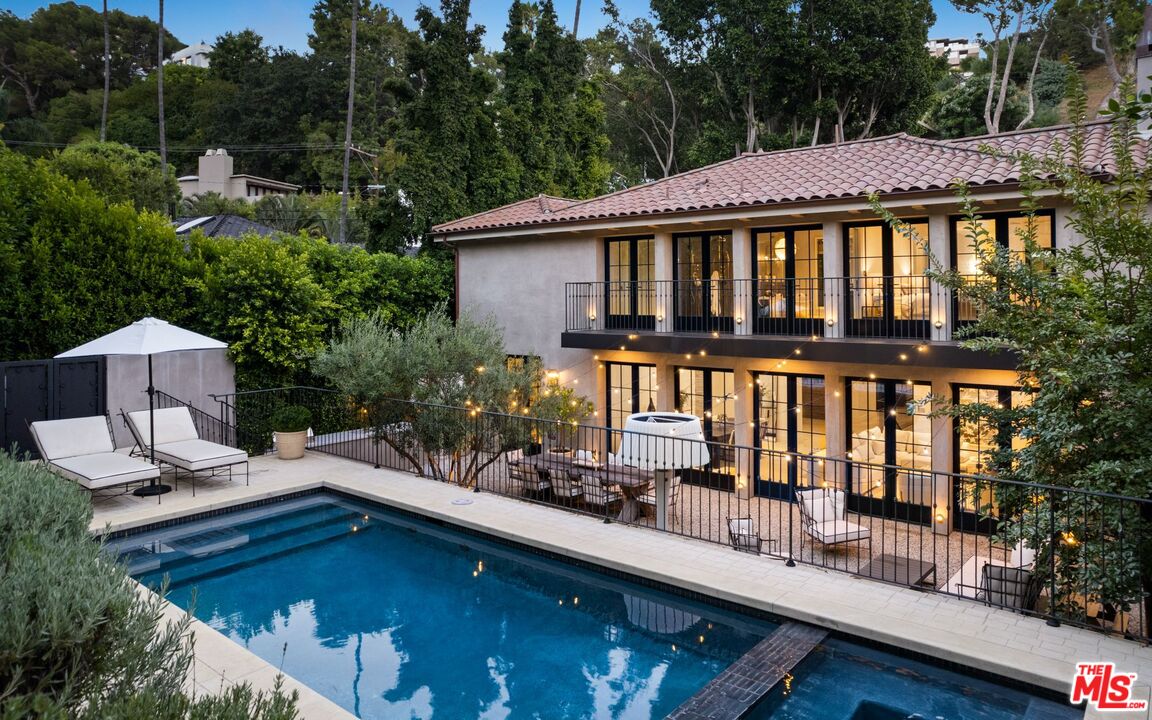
948,628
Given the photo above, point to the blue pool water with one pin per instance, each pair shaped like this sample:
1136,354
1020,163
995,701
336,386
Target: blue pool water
396,618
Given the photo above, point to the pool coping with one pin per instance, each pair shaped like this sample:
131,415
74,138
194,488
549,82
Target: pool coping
534,526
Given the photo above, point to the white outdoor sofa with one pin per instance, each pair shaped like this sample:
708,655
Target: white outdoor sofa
82,450
178,444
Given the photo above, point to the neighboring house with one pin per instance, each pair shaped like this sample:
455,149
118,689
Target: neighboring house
195,55
216,174
221,226
954,49
763,295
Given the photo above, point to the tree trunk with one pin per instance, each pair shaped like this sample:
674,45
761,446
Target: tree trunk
348,125
1004,79
1031,81
816,130
107,73
750,128
160,94
992,81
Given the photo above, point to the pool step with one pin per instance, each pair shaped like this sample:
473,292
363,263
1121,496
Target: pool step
733,692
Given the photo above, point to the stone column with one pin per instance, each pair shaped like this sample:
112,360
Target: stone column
835,287
665,290
742,285
940,307
942,443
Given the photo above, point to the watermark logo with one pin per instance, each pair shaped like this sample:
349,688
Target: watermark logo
1103,688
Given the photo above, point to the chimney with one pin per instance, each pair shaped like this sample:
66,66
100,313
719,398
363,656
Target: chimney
216,170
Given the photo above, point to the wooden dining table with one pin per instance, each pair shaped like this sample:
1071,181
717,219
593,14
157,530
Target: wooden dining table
633,482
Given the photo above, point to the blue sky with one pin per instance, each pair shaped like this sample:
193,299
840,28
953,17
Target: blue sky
285,22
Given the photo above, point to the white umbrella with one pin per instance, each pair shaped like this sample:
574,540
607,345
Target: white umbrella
147,336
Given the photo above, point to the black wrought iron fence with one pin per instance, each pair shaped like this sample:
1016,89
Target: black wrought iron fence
1062,554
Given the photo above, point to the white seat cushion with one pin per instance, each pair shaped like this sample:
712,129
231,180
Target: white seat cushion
73,437
172,425
101,470
198,454
838,531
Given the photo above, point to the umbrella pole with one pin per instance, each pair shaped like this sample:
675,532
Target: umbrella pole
154,487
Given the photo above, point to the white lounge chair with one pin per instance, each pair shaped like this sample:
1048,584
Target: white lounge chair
823,512
82,450
178,444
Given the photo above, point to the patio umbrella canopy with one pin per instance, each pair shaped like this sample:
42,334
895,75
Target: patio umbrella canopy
146,336
663,442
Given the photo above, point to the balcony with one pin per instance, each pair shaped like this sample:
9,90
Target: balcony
891,307
878,319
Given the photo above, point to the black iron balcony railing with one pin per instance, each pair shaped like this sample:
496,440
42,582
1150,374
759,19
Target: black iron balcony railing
1059,553
900,307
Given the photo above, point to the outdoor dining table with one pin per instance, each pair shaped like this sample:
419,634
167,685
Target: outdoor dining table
633,482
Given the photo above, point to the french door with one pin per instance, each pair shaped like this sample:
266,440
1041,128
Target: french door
711,395
704,288
888,294
890,446
631,389
974,503
789,287
630,293
789,422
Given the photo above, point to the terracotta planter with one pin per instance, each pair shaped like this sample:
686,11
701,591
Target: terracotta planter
290,445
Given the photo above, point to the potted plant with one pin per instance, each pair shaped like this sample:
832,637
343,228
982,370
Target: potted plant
291,423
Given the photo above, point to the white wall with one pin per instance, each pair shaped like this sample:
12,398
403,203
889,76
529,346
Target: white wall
521,284
190,376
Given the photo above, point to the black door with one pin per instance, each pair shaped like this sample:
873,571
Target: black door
630,292
704,287
887,293
710,395
790,432
47,390
789,286
890,446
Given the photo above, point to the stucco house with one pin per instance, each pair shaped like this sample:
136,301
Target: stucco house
217,174
764,295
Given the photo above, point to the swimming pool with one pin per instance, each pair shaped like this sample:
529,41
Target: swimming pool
391,616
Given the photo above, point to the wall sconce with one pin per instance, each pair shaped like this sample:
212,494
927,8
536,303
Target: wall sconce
939,324
739,320
830,321
592,316
659,317
940,516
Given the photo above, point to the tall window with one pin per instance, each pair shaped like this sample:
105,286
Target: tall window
631,270
1003,230
891,433
711,396
888,294
631,389
789,280
789,422
704,287
974,502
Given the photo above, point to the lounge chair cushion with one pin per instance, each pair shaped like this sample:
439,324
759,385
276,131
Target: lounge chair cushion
172,425
101,470
839,531
73,437
1005,586
198,454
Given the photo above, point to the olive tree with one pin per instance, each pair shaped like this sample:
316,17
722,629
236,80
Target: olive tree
442,394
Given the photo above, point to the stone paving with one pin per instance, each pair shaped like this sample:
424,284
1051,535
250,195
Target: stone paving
951,629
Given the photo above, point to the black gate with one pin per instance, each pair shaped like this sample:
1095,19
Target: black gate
47,390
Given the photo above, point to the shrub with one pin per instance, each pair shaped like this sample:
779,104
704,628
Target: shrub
76,638
291,418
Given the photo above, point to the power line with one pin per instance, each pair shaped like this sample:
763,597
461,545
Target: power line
251,148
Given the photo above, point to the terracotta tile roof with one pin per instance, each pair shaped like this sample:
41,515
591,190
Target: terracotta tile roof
885,165
525,212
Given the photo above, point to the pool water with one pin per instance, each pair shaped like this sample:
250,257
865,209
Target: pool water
392,617
389,617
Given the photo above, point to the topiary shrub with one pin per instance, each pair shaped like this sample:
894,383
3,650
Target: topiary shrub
291,418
